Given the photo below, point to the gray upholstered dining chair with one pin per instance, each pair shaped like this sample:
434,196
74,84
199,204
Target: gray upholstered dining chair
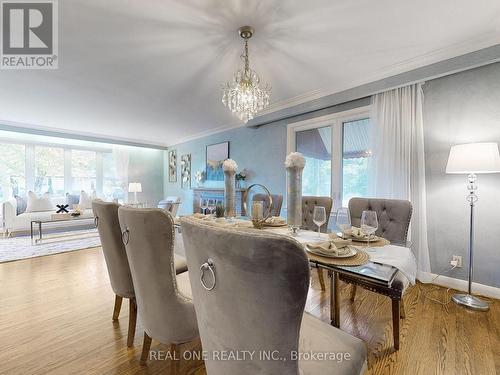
166,313
308,204
108,226
393,217
277,202
106,218
249,289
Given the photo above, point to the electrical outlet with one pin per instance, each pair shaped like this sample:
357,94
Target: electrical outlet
458,259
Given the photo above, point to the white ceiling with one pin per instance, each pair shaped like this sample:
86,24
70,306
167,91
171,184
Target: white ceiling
151,71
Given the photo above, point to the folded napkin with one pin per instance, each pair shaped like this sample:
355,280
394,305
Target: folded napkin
336,246
234,223
358,234
199,216
275,220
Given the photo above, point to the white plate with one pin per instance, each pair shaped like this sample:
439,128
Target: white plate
352,252
357,239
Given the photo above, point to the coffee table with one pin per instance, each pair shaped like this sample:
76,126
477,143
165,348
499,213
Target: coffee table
44,222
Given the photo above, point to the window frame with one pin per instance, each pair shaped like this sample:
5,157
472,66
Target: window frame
30,165
336,122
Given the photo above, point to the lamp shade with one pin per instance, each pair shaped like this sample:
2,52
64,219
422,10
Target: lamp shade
135,187
474,158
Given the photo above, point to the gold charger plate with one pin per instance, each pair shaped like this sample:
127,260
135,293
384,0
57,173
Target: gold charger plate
351,253
359,259
380,241
275,225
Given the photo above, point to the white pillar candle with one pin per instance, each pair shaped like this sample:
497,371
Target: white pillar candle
257,210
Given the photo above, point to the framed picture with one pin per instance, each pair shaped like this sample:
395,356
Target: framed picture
215,156
186,171
172,166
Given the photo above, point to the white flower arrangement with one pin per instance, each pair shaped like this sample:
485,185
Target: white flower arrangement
199,176
295,160
229,165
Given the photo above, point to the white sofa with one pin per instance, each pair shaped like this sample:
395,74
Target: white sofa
11,222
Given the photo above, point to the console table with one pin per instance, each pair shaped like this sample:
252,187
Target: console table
218,195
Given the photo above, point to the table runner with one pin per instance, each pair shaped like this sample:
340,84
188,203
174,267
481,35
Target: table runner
398,256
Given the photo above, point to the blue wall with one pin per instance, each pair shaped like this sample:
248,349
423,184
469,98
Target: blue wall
458,108
462,108
261,151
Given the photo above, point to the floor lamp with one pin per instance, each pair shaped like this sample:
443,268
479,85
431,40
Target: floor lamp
472,159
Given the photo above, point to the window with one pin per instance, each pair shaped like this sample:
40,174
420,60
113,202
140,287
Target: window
83,171
355,157
316,146
337,152
12,170
49,170
112,188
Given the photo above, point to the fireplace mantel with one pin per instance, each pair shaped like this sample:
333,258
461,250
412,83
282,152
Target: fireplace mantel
216,193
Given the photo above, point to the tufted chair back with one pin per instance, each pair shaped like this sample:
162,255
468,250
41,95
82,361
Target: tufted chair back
106,215
393,216
277,202
166,314
308,203
259,278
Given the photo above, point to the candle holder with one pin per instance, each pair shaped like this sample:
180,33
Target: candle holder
258,222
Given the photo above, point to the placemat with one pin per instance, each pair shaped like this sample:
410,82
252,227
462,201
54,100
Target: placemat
380,242
359,259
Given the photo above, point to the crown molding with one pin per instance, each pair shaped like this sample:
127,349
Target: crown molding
19,127
207,133
447,53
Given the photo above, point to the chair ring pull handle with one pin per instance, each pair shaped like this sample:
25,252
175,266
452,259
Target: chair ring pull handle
96,221
208,265
126,236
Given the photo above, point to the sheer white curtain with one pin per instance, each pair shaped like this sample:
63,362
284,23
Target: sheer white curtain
121,157
398,165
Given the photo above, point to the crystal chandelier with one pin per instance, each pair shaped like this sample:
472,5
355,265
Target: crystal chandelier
243,96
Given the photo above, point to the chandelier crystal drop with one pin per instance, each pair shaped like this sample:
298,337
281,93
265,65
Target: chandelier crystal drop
243,95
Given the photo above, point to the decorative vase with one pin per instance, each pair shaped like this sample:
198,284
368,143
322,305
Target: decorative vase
294,163
229,193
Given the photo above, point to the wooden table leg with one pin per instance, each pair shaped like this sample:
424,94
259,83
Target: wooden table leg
395,321
334,299
321,278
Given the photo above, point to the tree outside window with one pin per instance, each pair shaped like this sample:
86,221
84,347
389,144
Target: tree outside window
49,170
12,170
83,170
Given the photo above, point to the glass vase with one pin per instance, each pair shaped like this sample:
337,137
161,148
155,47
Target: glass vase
294,198
229,194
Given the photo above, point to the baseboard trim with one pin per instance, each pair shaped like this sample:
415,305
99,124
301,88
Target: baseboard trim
458,284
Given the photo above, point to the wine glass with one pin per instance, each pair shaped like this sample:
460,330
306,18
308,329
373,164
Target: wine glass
319,218
211,205
343,220
369,224
203,205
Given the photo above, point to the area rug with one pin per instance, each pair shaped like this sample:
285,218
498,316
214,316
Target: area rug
16,248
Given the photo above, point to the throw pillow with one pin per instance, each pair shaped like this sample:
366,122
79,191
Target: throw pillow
20,204
72,200
39,203
86,199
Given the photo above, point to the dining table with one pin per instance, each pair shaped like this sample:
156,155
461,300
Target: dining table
389,269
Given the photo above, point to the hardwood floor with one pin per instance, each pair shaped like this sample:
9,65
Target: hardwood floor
56,318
